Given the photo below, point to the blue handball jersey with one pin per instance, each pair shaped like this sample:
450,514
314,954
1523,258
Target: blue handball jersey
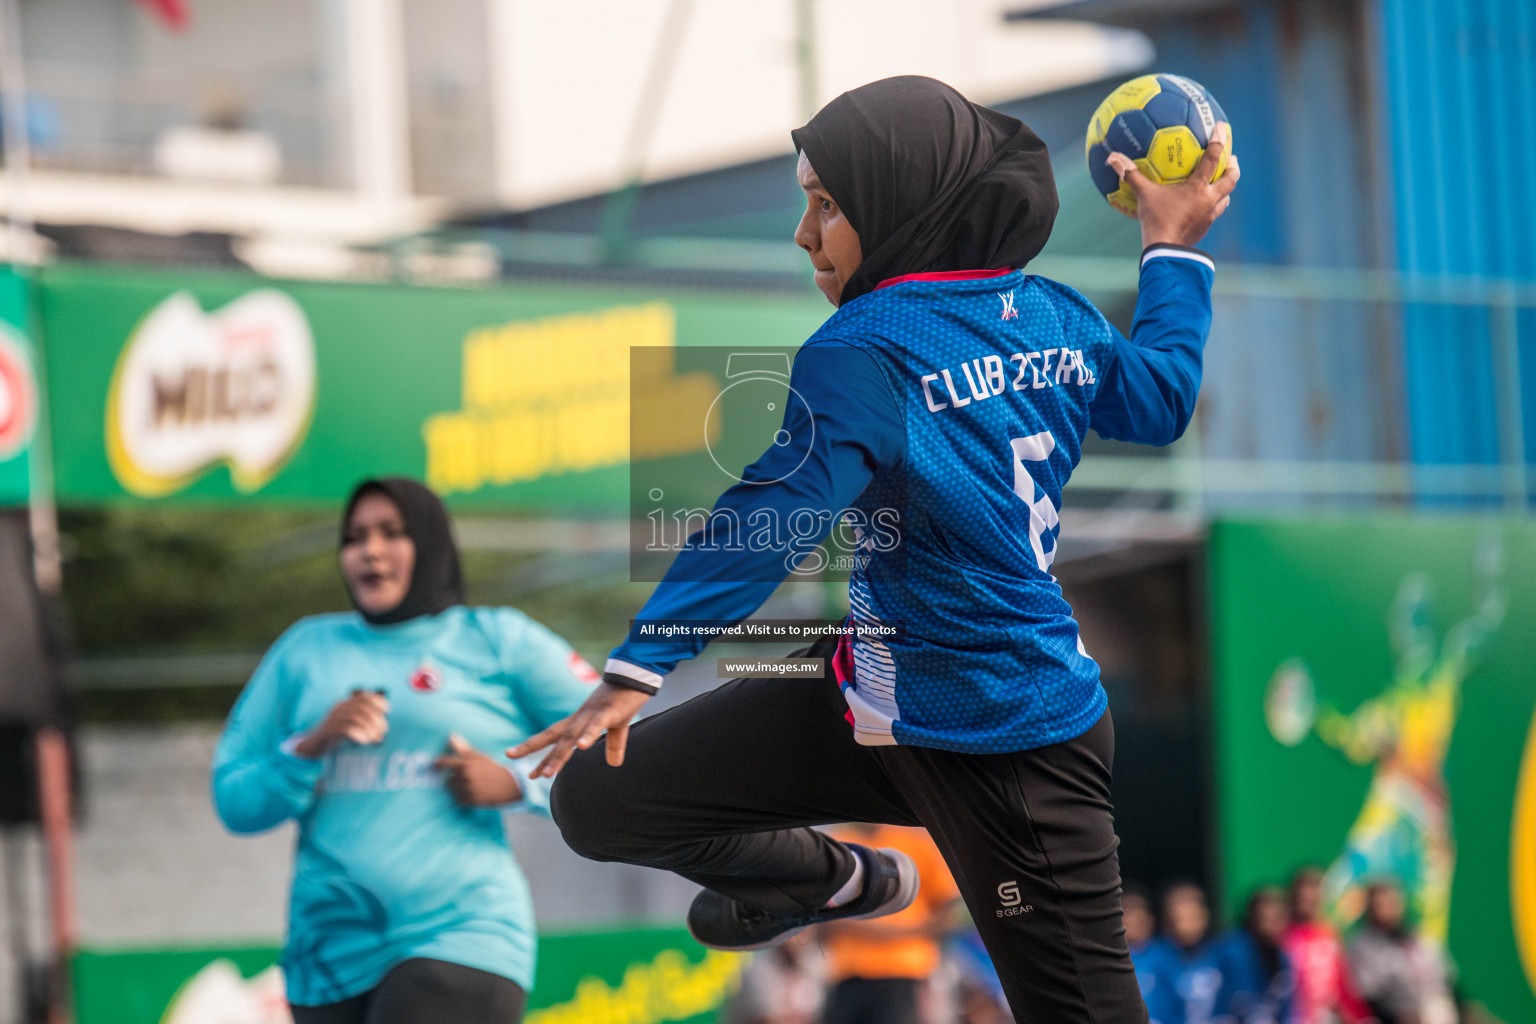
943,415
388,867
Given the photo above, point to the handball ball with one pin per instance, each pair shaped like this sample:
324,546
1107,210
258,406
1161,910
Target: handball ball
1163,122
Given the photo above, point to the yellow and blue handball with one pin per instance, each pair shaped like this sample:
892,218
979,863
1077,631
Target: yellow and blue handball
1163,123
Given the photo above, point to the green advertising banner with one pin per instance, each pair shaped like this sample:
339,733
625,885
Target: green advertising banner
218,387
635,976
19,390
1374,716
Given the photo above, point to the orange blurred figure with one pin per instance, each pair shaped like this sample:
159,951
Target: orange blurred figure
877,969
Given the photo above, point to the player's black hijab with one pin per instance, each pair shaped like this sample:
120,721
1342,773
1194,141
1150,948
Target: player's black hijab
437,582
930,180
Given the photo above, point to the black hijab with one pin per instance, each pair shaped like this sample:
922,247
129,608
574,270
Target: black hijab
930,180
437,583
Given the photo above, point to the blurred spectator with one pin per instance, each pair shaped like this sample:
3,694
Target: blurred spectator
1140,931
1404,978
1324,993
1256,980
782,985
876,968
1185,976
1140,921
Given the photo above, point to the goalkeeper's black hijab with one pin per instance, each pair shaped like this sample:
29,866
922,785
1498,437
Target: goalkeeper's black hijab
930,180
437,582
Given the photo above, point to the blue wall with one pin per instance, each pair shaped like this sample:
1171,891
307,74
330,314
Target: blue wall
1396,134
1289,379
1459,92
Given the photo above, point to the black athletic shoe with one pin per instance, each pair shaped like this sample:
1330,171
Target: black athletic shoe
720,922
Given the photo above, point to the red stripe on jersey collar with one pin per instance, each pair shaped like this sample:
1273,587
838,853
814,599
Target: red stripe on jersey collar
946,275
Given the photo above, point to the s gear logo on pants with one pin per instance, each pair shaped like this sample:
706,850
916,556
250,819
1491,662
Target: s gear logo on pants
1013,901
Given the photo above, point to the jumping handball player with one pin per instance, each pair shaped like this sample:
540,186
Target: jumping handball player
953,383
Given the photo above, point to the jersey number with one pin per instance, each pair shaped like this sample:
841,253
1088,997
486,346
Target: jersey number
1043,517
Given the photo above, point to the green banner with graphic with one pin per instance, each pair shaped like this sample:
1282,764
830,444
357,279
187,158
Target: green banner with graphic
633,976
19,390
1376,716
218,387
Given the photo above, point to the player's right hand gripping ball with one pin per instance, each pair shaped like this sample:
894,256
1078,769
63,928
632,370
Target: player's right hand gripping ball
1163,122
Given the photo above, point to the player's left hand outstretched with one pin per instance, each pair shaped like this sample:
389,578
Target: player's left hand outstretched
1181,214
476,779
610,709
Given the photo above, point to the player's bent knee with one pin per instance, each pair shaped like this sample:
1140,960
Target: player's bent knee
588,808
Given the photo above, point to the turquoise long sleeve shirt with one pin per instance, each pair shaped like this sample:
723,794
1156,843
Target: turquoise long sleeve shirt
388,867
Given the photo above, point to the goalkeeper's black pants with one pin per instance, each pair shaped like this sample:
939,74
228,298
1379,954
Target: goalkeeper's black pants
723,789
422,991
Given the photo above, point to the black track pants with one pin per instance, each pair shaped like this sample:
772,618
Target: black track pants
872,1001
722,790
424,991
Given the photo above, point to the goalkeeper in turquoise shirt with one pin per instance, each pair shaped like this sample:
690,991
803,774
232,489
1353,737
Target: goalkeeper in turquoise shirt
367,728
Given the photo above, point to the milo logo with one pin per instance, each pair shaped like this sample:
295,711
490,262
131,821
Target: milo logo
193,390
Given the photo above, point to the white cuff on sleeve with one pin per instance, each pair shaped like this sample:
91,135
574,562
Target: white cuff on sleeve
629,671
1181,252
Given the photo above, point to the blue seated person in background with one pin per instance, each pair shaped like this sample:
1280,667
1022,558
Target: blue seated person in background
1256,979
1183,968
1148,956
